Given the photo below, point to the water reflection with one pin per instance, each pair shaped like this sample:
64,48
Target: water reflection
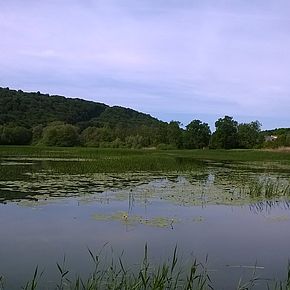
222,210
214,184
268,205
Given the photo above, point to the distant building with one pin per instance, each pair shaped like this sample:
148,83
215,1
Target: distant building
271,138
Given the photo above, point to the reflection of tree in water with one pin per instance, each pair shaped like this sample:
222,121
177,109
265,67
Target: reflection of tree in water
268,205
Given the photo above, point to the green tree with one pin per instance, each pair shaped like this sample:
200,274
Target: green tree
226,134
197,135
174,134
15,135
93,136
37,133
64,135
283,140
134,142
249,134
160,135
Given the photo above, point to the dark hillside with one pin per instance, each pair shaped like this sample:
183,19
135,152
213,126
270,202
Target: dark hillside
30,109
125,116
277,131
35,118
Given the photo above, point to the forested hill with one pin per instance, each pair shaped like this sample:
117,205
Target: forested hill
277,131
30,109
40,119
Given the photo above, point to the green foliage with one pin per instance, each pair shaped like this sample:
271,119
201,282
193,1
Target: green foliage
283,140
248,134
163,146
27,118
64,135
99,124
197,135
31,109
15,135
277,131
111,271
160,135
37,132
135,142
174,134
125,117
226,134
93,136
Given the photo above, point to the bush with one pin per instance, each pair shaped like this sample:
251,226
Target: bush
64,135
15,135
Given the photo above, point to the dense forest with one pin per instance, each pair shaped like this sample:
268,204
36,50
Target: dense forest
41,119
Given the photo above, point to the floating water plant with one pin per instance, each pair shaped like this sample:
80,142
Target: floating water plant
129,219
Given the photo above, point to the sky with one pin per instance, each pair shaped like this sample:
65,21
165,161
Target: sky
174,59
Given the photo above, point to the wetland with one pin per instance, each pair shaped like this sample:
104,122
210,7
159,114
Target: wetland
227,209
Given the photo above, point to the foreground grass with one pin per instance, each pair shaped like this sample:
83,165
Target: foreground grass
169,275
115,275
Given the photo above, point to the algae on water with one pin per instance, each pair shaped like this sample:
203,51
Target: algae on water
129,219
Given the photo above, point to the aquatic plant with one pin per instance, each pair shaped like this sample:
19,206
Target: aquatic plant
114,275
268,188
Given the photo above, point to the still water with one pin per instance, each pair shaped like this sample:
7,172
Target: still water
238,216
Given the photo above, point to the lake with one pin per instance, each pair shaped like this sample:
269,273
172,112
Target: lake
232,216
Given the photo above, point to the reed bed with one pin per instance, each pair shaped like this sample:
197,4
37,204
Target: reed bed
169,275
267,189
95,160
96,153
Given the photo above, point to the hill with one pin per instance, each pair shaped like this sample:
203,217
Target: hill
277,131
35,118
41,119
31,109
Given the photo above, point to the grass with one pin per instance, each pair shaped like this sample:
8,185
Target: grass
92,160
267,189
88,160
115,275
172,274
30,171
96,153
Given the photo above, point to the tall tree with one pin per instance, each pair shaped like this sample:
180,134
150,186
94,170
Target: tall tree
226,134
64,135
197,135
15,135
248,134
174,134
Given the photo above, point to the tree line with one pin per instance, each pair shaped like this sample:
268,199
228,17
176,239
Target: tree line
229,134
37,119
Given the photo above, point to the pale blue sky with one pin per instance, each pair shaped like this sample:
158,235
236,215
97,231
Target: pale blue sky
175,59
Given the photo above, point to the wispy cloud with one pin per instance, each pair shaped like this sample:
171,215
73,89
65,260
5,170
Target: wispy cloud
172,58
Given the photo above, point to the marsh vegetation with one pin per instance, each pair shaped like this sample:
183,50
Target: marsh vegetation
39,119
232,206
